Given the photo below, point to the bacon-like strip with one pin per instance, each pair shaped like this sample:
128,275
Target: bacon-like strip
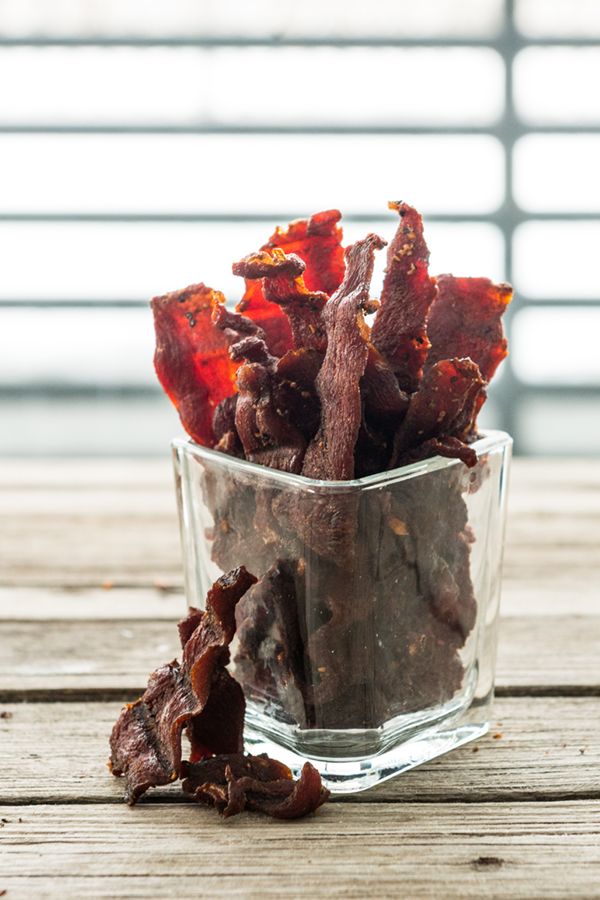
237,782
331,453
192,357
465,320
317,241
146,739
399,330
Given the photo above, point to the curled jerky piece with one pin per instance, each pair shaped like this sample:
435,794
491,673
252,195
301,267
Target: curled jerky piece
399,330
266,436
465,320
442,407
237,782
198,692
192,357
283,284
317,241
331,453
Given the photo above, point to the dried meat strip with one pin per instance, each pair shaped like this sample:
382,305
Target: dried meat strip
269,659
399,330
466,320
331,453
267,437
192,358
318,243
442,407
283,284
146,739
237,782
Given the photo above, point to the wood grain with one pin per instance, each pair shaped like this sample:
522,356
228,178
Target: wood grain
87,524
537,748
558,653
345,850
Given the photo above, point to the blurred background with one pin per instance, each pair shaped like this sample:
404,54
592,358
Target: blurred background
145,146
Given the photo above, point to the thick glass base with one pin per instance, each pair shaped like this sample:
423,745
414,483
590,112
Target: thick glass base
343,758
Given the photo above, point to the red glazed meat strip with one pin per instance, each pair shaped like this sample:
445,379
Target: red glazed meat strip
466,320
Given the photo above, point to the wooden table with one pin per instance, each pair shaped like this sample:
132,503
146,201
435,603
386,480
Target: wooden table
90,583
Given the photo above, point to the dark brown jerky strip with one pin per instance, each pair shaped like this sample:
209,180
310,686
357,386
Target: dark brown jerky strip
283,284
384,401
399,330
269,645
266,436
146,739
295,392
331,453
192,357
237,782
441,406
465,320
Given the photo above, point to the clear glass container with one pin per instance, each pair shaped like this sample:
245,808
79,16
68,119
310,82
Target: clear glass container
368,644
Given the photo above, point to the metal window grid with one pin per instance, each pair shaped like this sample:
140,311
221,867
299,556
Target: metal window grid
510,391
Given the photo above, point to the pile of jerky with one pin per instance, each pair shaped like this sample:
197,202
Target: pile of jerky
363,603
198,696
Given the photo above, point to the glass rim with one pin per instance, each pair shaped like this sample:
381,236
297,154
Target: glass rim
489,441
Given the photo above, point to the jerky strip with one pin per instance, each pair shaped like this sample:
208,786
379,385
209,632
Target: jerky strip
266,436
283,284
331,453
192,357
146,739
399,330
465,320
237,782
317,241
442,407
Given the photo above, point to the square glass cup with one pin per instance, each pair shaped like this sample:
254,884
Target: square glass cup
368,645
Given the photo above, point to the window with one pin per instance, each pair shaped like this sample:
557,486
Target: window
144,147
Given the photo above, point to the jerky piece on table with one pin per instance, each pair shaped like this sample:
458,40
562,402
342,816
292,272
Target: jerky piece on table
146,739
269,656
442,407
466,320
283,284
399,330
267,437
192,357
237,782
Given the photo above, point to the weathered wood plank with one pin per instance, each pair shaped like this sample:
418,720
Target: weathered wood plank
346,850
168,604
559,652
87,523
538,748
